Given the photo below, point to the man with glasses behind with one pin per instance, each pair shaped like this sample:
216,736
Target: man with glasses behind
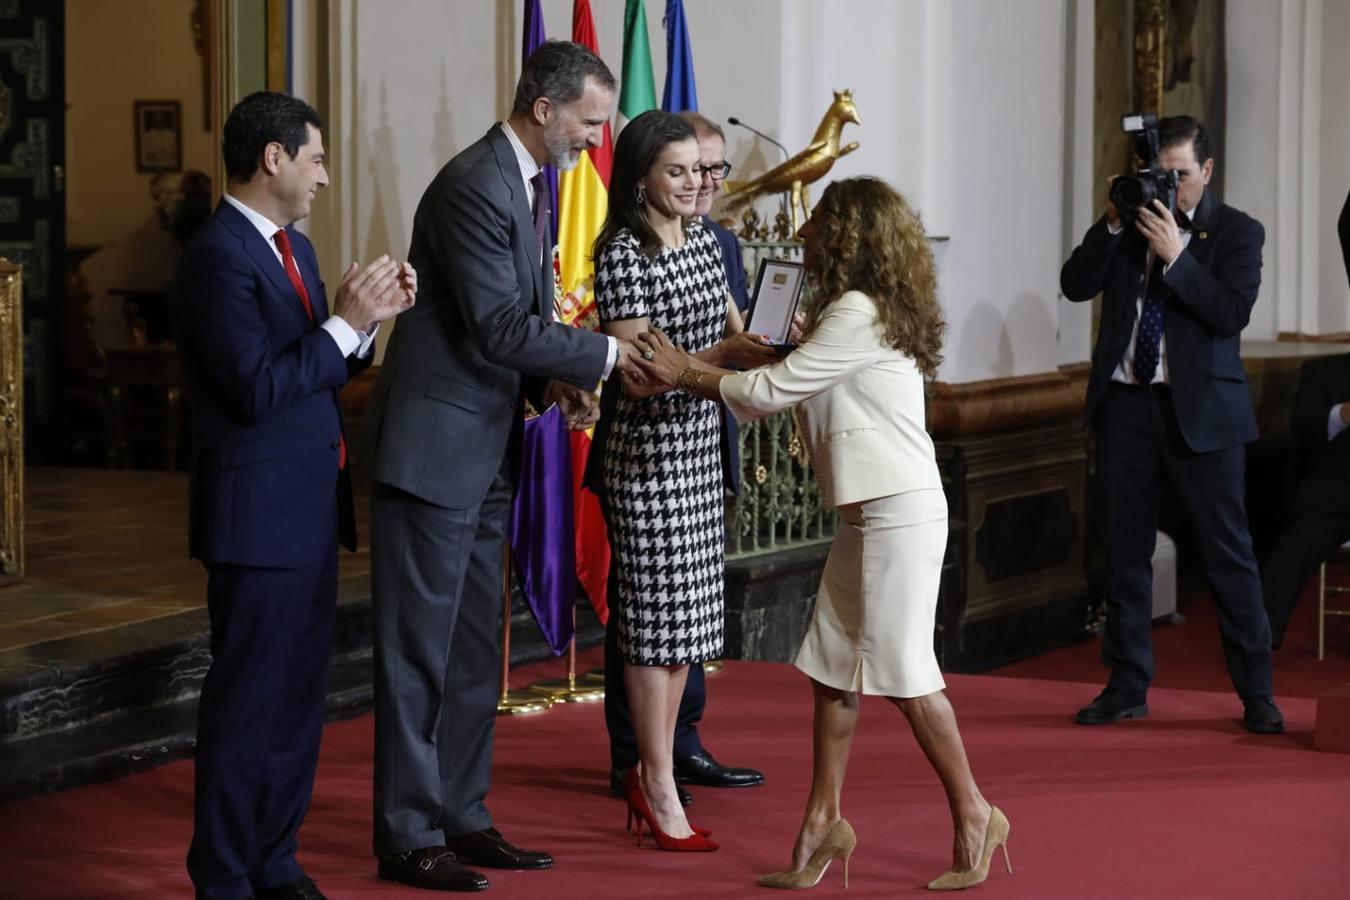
693,764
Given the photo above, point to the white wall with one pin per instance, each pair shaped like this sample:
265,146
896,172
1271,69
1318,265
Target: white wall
979,110
1288,155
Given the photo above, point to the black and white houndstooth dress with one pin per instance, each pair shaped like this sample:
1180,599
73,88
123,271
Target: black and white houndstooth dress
663,470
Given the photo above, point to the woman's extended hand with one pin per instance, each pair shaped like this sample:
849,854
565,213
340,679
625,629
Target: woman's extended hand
659,358
746,351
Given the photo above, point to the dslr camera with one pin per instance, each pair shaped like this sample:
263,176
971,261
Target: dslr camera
1129,193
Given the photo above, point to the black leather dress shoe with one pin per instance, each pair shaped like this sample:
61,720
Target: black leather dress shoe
487,848
1260,715
433,868
702,769
304,889
616,787
1112,707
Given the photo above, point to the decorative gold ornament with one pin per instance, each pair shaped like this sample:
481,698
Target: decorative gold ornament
1150,45
761,475
806,167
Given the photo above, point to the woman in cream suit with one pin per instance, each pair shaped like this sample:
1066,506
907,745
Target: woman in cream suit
856,381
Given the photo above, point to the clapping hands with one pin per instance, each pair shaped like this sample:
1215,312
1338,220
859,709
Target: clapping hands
383,289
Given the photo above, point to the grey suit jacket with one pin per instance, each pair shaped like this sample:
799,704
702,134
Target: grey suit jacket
447,404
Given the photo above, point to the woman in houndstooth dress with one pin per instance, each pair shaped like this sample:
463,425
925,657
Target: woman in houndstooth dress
658,266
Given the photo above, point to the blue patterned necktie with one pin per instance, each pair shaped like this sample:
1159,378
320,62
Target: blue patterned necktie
540,184
1148,342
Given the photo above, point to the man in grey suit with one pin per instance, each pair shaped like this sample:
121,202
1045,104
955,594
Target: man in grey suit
444,426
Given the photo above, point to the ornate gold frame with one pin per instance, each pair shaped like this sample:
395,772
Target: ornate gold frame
1150,45
11,422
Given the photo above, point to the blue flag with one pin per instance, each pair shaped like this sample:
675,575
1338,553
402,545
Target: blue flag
680,93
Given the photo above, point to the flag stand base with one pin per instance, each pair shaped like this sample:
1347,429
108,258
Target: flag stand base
513,703
568,690
522,703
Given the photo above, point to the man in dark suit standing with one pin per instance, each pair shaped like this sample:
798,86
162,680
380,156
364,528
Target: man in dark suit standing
270,491
1168,399
693,763
445,425
1322,508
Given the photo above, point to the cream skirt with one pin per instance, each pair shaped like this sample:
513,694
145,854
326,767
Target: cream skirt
872,631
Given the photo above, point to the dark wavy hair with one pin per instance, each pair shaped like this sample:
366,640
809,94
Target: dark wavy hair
869,239
558,70
262,118
639,144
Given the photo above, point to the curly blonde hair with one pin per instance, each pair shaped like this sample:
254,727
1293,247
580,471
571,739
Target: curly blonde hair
869,239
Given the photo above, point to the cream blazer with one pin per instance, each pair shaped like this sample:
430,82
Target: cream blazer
860,405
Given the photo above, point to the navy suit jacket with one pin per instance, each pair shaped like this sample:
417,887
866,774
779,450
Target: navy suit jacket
262,379
1211,289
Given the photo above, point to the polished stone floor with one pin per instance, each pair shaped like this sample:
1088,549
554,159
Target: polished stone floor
108,549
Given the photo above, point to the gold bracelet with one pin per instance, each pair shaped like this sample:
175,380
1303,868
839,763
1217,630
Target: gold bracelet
689,378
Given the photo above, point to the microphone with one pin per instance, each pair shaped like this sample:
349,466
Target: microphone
732,120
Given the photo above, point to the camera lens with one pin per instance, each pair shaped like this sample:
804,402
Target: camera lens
1130,192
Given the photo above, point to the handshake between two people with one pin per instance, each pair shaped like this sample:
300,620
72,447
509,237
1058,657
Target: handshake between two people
650,364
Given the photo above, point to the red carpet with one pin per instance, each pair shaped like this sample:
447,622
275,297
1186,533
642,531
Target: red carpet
1183,804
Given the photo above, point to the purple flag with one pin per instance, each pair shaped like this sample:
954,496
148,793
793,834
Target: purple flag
543,542
533,36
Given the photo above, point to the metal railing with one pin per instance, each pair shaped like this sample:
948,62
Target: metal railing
779,505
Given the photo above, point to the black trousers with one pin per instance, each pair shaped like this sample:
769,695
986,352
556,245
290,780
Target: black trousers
1320,526
259,723
1138,446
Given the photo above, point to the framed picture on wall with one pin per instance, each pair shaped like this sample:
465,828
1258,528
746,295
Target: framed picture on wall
159,136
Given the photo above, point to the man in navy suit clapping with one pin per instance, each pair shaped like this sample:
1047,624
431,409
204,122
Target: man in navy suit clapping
270,493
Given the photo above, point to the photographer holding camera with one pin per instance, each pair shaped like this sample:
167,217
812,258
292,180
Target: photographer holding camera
1168,398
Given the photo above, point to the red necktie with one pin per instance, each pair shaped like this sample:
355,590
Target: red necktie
293,273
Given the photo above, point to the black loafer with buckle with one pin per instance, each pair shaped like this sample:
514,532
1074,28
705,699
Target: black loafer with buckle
434,868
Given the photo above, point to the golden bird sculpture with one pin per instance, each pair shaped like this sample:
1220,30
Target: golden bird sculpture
810,165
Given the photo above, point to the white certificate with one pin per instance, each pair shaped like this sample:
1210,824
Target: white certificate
778,290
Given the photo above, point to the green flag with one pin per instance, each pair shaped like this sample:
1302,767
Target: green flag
638,91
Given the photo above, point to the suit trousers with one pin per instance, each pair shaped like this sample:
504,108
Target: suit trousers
259,723
1138,446
1317,532
436,575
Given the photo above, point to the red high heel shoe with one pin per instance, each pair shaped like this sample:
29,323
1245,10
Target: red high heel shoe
697,829
639,812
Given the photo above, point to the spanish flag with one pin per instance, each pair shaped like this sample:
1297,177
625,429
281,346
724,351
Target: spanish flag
583,198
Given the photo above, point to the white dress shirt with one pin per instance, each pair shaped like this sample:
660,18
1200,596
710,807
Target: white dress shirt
1124,372
1335,424
348,339
528,169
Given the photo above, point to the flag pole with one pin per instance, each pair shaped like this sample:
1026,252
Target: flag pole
565,690
513,703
